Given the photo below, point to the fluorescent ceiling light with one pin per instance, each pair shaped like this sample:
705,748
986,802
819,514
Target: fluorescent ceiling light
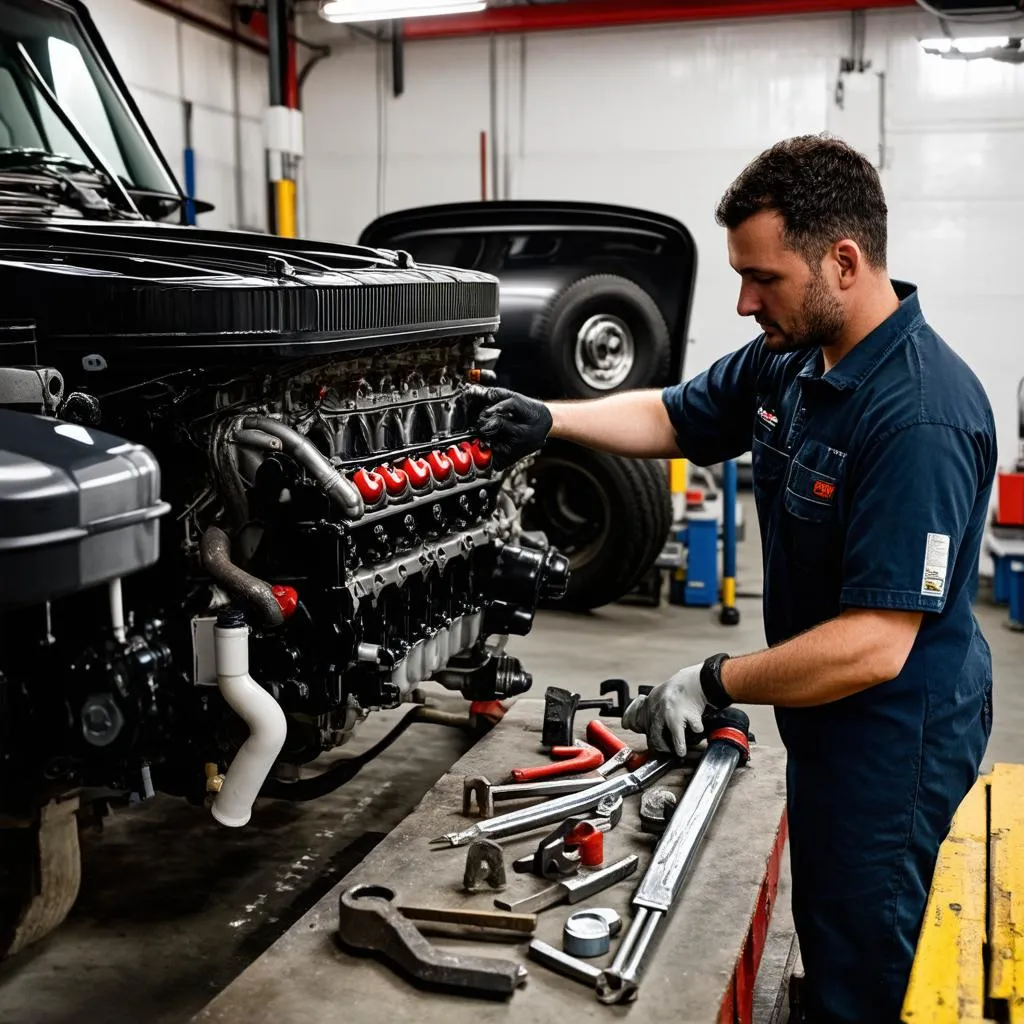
966,44
343,11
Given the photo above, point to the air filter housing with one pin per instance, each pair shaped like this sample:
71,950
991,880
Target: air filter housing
78,507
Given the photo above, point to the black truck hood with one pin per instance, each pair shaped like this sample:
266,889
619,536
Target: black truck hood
140,288
510,238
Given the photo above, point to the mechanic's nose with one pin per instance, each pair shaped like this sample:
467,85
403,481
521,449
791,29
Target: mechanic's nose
748,304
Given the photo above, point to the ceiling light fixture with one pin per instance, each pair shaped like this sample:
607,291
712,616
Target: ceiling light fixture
1002,48
344,11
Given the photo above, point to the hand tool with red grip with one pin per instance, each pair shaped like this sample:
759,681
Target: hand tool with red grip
580,758
616,749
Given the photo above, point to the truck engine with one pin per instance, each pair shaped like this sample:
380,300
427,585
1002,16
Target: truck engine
242,506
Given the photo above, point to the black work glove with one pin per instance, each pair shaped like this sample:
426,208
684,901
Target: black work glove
513,425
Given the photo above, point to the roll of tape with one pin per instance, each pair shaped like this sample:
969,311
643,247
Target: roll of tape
587,933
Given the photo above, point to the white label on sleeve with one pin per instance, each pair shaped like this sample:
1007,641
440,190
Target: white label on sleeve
936,561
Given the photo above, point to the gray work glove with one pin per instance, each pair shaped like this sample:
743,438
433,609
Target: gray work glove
668,710
513,425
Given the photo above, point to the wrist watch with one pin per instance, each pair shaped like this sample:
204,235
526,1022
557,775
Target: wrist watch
711,682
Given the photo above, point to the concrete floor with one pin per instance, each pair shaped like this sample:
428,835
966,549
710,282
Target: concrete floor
173,907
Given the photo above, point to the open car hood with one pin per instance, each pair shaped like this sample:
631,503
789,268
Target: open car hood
508,236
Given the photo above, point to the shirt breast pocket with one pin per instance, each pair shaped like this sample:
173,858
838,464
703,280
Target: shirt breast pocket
812,502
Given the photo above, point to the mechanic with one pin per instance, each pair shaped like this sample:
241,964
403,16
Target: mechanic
873,451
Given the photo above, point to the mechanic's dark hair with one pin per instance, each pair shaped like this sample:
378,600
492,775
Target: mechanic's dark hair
823,189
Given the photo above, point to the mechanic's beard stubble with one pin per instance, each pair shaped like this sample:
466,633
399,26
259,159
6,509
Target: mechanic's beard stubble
818,324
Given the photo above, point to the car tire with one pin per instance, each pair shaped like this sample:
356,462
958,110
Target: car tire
603,333
609,515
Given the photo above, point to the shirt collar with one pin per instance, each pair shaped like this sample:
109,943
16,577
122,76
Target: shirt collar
865,356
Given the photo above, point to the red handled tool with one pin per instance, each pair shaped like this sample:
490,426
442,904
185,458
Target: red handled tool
617,751
589,841
603,752
581,758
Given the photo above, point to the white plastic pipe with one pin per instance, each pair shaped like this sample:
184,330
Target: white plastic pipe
267,727
117,611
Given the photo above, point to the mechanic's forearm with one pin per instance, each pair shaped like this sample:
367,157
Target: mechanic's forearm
859,649
631,423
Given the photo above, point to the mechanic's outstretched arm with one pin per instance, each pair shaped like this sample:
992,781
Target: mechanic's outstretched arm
631,423
860,648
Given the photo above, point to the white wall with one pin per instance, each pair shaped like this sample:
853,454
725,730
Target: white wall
428,140
663,117
166,62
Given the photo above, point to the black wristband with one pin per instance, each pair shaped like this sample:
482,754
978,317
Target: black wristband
711,682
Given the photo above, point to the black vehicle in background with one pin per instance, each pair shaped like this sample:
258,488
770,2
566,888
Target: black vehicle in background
595,299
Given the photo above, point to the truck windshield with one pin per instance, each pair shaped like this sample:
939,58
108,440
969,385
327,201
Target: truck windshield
50,35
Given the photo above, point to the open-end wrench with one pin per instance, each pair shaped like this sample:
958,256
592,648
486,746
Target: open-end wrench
369,921
529,818
484,792
572,890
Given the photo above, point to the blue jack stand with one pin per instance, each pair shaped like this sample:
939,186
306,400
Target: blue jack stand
695,582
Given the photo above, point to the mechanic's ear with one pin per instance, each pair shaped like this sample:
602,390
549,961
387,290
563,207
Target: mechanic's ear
849,261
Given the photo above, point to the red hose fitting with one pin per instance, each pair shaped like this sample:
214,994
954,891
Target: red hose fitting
287,599
395,481
418,473
440,466
461,459
370,485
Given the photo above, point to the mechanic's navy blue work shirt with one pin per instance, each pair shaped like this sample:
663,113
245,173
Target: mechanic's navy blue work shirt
872,486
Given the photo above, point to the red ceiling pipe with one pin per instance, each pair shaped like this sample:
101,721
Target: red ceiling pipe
609,13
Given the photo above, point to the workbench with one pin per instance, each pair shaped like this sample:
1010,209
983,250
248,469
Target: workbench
703,969
969,963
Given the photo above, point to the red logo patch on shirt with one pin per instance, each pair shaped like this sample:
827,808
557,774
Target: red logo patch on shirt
823,489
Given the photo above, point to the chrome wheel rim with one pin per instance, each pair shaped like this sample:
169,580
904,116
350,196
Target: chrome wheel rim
605,352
